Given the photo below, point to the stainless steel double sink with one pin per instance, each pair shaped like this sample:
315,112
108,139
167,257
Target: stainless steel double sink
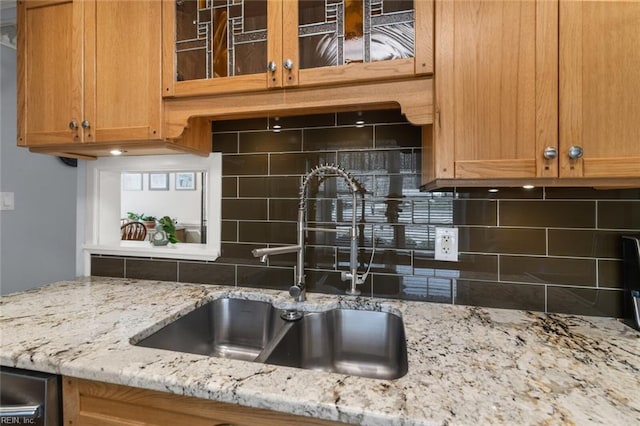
355,342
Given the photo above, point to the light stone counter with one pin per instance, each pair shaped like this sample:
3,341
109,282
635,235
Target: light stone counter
467,365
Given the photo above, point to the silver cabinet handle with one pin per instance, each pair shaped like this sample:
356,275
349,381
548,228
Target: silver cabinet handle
85,124
73,125
288,64
575,152
271,66
550,152
23,411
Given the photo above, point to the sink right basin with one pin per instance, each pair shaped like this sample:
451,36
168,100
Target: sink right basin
347,341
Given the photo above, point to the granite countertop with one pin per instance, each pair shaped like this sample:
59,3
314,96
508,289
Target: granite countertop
467,365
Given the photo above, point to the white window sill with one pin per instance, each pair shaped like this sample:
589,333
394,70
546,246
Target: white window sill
146,249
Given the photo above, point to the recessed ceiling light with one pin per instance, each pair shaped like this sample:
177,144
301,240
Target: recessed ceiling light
528,186
494,190
116,152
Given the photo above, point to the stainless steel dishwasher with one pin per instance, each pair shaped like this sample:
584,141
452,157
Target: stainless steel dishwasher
29,398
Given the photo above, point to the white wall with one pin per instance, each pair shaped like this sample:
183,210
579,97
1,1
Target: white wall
38,238
181,205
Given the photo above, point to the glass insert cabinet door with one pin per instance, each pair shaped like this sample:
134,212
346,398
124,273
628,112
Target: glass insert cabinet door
339,32
216,39
257,44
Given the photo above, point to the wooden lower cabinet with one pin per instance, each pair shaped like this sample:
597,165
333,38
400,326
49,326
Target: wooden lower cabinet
92,403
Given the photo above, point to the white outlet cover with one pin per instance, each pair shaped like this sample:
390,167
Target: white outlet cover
446,244
7,201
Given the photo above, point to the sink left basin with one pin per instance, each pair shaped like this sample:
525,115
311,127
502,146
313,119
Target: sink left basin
227,328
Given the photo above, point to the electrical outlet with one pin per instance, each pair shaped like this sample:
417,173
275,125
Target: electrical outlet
447,244
7,201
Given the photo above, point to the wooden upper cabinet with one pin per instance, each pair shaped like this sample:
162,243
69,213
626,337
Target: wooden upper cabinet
495,91
521,86
219,47
253,45
49,72
356,40
88,72
600,88
123,70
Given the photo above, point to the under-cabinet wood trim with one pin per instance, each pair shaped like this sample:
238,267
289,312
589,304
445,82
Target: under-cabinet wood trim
597,183
509,168
89,151
88,402
354,72
118,134
413,96
220,85
611,167
197,135
428,158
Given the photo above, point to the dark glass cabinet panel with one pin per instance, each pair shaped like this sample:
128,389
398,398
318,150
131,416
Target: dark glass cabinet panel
338,32
220,38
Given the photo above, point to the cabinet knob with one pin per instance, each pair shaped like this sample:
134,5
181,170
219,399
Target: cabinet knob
288,64
575,152
85,124
550,152
73,125
271,66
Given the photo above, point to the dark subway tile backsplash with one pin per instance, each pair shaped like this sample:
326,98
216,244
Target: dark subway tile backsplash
469,266
206,273
542,249
162,270
338,138
245,164
244,209
475,212
299,163
286,140
548,270
230,187
500,295
619,214
226,143
584,301
398,136
273,187
548,213
502,240
586,243
107,266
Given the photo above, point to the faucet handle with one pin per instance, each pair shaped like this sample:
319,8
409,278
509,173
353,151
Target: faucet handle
295,291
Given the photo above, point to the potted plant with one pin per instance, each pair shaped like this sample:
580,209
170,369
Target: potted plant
148,221
168,225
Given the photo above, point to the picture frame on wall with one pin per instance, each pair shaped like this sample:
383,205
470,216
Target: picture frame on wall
132,181
185,181
158,181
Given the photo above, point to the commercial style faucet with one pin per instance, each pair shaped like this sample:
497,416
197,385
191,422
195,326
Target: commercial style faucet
297,290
